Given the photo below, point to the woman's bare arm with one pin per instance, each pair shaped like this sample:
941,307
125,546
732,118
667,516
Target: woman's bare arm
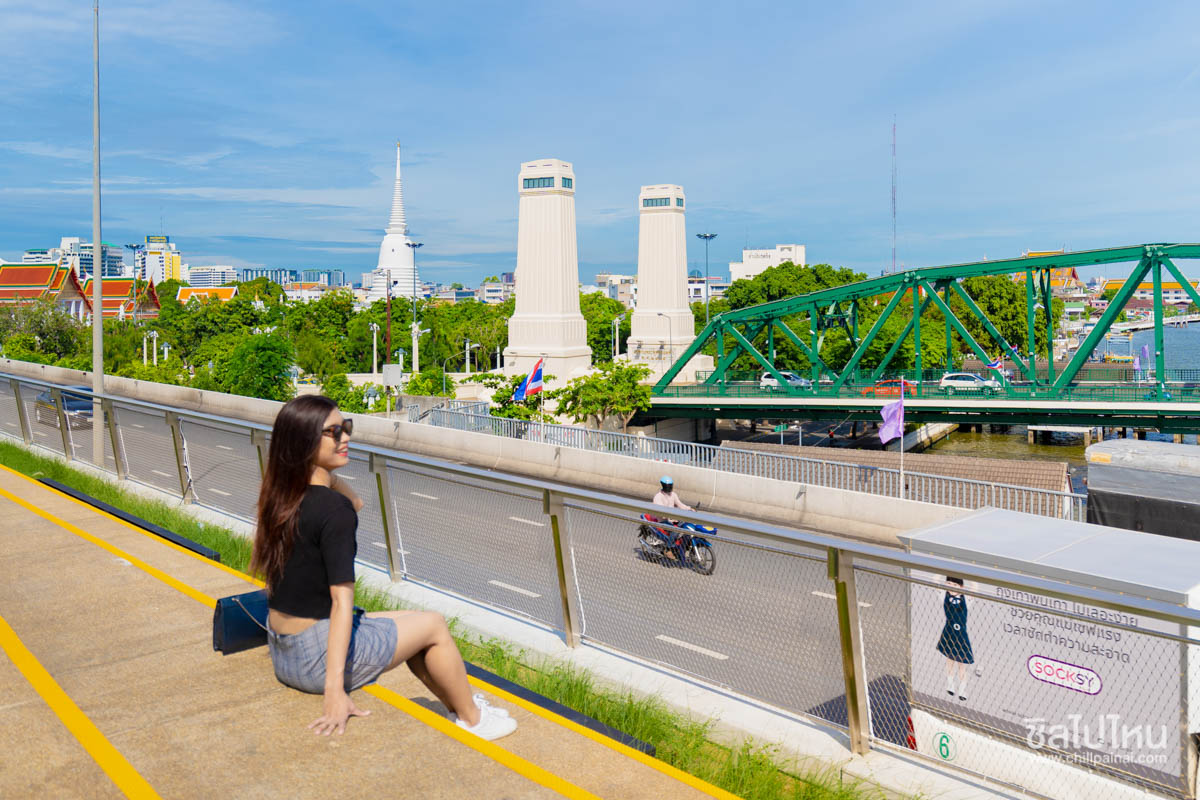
338,706
344,488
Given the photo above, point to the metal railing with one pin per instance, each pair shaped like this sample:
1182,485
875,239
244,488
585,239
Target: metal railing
941,489
767,623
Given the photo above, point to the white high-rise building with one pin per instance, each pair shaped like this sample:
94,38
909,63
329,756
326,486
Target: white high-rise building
662,326
755,261
159,260
208,277
547,322
396,262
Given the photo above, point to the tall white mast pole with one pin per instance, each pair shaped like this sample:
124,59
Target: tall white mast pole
97,254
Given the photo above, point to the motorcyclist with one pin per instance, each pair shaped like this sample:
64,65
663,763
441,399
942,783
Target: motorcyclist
666,495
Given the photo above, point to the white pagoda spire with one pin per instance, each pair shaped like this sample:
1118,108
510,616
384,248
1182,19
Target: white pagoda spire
397,223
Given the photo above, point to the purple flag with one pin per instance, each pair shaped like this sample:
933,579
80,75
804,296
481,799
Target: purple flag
1137,363
1146,355
893,421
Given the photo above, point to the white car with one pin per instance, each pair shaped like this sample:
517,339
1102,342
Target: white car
968,382
768,381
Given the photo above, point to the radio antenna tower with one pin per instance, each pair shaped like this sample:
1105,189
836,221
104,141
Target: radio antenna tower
893,193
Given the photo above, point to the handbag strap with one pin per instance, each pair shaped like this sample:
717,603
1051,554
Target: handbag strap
238,600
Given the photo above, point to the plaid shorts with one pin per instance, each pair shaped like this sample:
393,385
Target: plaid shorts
299,658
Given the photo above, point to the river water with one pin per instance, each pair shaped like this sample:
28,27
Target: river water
1181,348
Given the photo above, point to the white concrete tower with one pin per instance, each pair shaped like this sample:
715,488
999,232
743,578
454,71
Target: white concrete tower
547,321
662,326
395,256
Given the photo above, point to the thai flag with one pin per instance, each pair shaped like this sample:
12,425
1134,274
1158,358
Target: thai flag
531,385
994,365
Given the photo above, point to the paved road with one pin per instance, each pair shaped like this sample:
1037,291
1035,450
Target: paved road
763,624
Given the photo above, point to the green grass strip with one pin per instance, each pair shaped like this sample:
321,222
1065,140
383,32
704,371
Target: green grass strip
752,770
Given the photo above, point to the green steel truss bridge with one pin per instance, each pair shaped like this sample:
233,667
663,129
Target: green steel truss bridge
1039,391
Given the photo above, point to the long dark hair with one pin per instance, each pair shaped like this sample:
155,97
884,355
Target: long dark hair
295,440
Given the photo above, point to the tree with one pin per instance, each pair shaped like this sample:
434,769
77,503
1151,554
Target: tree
456,285
261,367
504,388
352,399
599,311
614,390
429,382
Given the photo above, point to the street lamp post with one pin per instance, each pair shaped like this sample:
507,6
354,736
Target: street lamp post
145,357
97,250
154,347
616,339
166,351
467,347
707,237
374,326
415,327
670,337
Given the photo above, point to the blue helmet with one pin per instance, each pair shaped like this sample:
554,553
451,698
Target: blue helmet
665,480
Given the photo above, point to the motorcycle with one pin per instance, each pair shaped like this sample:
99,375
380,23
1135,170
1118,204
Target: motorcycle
680,542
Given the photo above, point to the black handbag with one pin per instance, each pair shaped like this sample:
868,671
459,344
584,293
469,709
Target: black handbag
240,622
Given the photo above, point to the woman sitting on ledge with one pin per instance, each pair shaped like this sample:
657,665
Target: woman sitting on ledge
304,549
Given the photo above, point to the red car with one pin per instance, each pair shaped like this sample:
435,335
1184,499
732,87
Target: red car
891,388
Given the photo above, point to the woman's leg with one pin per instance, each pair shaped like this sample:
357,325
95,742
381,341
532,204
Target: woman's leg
423,641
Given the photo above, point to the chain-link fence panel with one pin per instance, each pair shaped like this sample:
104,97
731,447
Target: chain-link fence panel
1059,698
223,464
43,417
492,545
79,412
149,448
372,544
10,420
763,623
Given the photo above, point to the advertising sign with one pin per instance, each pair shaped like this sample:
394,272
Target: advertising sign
1075,688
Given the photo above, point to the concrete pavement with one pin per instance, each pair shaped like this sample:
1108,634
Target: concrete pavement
117,624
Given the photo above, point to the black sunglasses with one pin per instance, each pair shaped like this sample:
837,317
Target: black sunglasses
336,431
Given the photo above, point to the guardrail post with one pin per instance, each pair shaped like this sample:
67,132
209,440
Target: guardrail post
185,480
854,669
552,506
118,446
22,416
63,429
377,465
259,440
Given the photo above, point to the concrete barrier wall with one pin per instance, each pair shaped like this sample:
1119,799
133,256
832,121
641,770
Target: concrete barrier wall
853,514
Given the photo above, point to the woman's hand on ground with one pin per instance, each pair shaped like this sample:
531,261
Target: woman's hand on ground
338,709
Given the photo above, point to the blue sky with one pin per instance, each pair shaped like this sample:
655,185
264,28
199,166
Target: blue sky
262,134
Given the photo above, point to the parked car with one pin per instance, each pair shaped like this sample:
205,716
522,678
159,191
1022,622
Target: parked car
769,381
968,382
891,388
77,407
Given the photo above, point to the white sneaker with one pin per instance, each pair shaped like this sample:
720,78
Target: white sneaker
491,725
481,703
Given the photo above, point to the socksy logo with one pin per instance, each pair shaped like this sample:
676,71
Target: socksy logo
1068,676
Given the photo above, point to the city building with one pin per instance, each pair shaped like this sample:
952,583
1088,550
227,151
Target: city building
202,277
306,291
755,261
77,254
25,283
1173,293
447,294
701,289
547,323
494,292
325,277
397,263
622,288
280,275
117,299
508,277
662,326
220,294
159,260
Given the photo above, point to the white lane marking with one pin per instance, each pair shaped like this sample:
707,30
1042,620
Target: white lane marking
220,446
528,522
340,477
13,424
384,546
223,494
861,604
137,426
39,433
164,474
425,496
693,647
516,589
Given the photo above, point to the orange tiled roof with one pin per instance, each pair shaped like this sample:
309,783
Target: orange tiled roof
117,298
27,282
221,293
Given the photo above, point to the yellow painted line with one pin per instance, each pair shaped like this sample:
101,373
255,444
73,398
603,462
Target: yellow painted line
612,744
490,749
122,773
526,769
132,527
174,583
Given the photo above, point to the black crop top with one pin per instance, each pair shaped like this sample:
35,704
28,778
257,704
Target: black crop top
322,555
